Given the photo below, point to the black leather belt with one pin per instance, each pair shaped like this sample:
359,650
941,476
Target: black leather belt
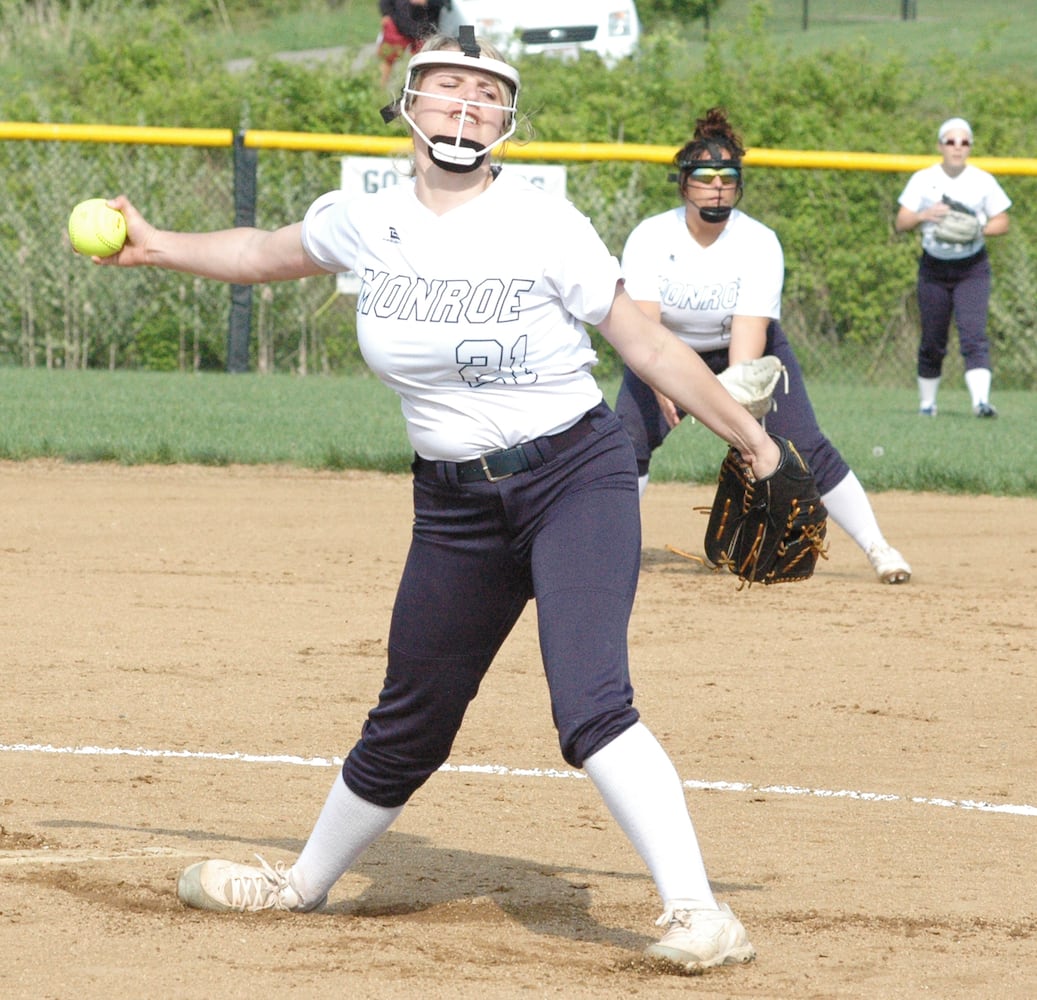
496,465
493,466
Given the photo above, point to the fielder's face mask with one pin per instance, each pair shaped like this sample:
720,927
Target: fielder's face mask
705,171
456,152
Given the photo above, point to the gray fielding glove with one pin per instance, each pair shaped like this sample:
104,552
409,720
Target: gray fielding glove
959,225
752,383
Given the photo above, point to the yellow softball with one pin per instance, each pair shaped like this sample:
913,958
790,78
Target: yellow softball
95,229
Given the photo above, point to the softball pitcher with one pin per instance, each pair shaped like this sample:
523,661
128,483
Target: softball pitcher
476,288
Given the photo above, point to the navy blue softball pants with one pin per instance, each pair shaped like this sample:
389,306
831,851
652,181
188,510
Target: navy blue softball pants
566,534
637,408
960,289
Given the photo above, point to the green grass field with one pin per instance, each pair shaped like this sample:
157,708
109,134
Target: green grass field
354,422
353,24
998,34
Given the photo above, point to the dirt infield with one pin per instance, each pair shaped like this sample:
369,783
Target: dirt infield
186,650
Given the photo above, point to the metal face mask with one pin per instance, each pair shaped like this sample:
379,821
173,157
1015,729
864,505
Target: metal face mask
455,152
706,171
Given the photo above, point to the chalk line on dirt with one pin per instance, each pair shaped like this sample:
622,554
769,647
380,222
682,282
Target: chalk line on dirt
532,772
44,855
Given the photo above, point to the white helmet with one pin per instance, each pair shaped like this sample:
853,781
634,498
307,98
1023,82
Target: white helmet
455,152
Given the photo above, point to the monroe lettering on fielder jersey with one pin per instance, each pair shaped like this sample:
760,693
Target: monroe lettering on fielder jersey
700,289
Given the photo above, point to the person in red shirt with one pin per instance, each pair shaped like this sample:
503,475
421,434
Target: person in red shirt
405,26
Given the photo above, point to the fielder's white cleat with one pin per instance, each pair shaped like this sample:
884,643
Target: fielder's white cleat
701,939
228,886
889,565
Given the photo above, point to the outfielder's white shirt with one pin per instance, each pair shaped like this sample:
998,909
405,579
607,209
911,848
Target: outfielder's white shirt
474,318
974,188
700,289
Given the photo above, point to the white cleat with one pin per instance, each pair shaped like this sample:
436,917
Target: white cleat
889,565
697,940
228,886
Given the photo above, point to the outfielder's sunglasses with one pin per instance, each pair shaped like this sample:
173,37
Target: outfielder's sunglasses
729,176
964,143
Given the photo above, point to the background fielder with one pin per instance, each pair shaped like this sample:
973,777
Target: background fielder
714,276
954,273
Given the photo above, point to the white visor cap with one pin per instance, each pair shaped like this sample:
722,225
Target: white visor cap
954,125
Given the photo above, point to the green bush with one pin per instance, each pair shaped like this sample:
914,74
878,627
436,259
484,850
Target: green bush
654,13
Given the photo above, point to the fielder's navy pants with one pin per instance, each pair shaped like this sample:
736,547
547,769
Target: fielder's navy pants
958,288
567,534
637,408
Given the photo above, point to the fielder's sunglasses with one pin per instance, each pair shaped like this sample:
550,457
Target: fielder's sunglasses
729,176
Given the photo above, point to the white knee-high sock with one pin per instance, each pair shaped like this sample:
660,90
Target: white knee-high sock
977,381
849,506
643,792
642,484
347,825
927,389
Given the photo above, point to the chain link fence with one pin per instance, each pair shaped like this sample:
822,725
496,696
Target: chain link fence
58,310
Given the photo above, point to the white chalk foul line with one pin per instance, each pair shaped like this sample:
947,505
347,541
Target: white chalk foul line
534,772
846,793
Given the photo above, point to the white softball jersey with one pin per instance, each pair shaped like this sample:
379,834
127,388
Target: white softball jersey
700,289
974,188
475,317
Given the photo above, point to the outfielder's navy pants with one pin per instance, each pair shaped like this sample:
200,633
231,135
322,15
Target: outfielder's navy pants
958,288
638,409
567,534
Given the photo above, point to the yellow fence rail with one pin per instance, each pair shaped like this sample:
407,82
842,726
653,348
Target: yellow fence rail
54,311
538,151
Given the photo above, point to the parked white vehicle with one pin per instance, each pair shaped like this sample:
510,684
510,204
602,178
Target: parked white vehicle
557,27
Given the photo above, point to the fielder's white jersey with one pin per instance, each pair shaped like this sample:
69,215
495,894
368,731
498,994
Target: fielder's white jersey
474,318
700,289
974,188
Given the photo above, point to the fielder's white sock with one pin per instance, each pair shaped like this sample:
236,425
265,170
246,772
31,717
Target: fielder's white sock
643,792
927,389
642,484
977,381
849,507
347,825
